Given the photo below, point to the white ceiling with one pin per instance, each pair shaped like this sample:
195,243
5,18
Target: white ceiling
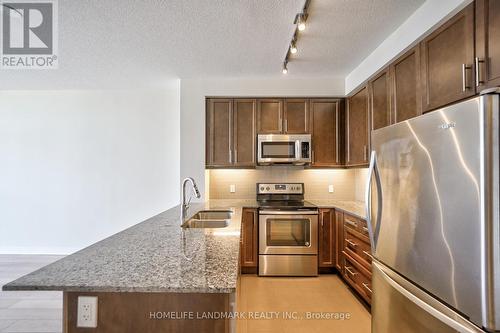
130,43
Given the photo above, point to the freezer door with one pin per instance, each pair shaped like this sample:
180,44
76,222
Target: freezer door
399,306
425,216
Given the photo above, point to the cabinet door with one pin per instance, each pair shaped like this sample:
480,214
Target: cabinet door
380,102
339,244
269,116
244,118
487,44
248,244
357,129
296,116
447,61
219,132
325,128
326,238
405,82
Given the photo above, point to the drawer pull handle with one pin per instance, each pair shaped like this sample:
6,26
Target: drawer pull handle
350,271
365,229
351,223
366,253
365,285
350,242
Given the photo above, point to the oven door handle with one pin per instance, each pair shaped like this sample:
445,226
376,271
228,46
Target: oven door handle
281,212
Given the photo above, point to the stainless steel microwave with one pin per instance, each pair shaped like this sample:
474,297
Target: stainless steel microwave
285,149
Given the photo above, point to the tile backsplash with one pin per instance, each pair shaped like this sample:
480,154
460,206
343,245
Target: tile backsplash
348,184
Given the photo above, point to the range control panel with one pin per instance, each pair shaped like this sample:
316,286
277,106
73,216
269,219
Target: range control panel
285,188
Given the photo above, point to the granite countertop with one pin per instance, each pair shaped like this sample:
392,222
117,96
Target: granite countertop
156,255
356,208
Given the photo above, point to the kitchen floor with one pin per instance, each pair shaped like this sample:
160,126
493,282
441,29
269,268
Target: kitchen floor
28,311
41,311
326,295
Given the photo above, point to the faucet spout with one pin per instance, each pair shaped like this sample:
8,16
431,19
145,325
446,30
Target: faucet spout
184,204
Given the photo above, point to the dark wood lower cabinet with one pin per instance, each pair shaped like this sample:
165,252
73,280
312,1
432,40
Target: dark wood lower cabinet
339,244
249,248
358,277
120,312
356,256
327,239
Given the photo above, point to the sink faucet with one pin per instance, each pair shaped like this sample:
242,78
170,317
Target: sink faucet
184,205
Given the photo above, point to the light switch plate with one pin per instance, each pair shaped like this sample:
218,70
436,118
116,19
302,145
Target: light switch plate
87,311
330,188
232,188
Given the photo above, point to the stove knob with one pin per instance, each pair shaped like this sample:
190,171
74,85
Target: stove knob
267,188
262,188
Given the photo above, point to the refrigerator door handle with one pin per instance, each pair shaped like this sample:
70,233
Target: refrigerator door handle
373,231
457,323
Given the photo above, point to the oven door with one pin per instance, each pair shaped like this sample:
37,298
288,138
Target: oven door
289,232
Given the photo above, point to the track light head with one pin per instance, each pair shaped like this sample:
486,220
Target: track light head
301,23
293,47
285,69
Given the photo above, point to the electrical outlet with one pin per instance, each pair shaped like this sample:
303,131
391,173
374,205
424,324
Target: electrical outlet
330,188
232,188
87,311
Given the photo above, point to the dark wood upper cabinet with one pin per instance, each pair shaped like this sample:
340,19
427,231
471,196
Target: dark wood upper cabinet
487,59
357,125
244,119
230,133
326,238
380,100
218,132
405,83
269,116
296,116
248,244
448,61
326,132
339,244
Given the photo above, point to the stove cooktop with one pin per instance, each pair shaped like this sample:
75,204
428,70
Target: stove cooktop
286,204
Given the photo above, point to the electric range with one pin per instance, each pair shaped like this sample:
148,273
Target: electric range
288,231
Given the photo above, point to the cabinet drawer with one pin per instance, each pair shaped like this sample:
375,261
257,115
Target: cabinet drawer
356,226
357,277
351,222
363,228
358,248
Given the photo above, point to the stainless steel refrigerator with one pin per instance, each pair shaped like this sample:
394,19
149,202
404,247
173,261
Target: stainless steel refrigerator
432,202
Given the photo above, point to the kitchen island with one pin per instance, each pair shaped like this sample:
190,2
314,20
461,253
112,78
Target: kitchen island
152,276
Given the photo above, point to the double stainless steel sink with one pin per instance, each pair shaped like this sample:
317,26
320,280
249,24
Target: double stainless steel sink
209,219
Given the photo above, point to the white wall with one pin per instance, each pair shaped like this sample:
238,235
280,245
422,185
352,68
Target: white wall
194,91
78,166
430,15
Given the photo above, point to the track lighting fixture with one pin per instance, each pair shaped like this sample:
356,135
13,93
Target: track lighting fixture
300,25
